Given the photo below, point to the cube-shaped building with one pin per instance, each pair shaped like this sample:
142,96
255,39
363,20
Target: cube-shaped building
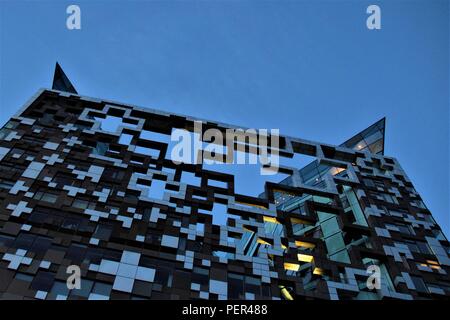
89,184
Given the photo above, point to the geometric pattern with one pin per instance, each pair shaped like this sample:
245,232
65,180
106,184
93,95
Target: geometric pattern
89,182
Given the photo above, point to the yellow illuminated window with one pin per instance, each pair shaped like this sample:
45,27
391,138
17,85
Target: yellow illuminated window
431,264
304,244
286,294
270,219
291,266
318,271
335,170
262,241
305,257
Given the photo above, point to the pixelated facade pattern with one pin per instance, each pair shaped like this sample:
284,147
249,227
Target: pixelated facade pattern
90,182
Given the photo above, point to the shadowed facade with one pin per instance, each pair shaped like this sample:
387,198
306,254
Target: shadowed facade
89,182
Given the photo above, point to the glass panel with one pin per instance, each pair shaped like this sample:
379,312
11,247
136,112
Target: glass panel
335,243
330,227
376,147
341,256
374,136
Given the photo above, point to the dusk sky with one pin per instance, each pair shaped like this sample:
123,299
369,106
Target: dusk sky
309,68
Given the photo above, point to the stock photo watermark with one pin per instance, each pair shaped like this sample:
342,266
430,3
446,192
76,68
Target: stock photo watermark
373,22
213,146
374,279
74,280
73,21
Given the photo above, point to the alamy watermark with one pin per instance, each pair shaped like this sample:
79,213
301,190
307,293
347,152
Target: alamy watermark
373,22
214,146
374,279
74,280
73,21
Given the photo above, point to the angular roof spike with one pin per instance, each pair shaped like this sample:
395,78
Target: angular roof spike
371,138
61,82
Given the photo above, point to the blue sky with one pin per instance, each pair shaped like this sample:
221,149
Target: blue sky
310,68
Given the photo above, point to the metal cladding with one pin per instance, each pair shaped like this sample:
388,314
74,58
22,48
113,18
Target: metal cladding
77,190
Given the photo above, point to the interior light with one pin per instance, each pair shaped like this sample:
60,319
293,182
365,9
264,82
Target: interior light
305,257
318,271
286,294
270,219
291,266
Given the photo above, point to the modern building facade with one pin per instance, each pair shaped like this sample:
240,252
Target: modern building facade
89,183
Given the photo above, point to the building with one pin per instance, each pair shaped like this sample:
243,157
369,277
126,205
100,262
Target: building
87,182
